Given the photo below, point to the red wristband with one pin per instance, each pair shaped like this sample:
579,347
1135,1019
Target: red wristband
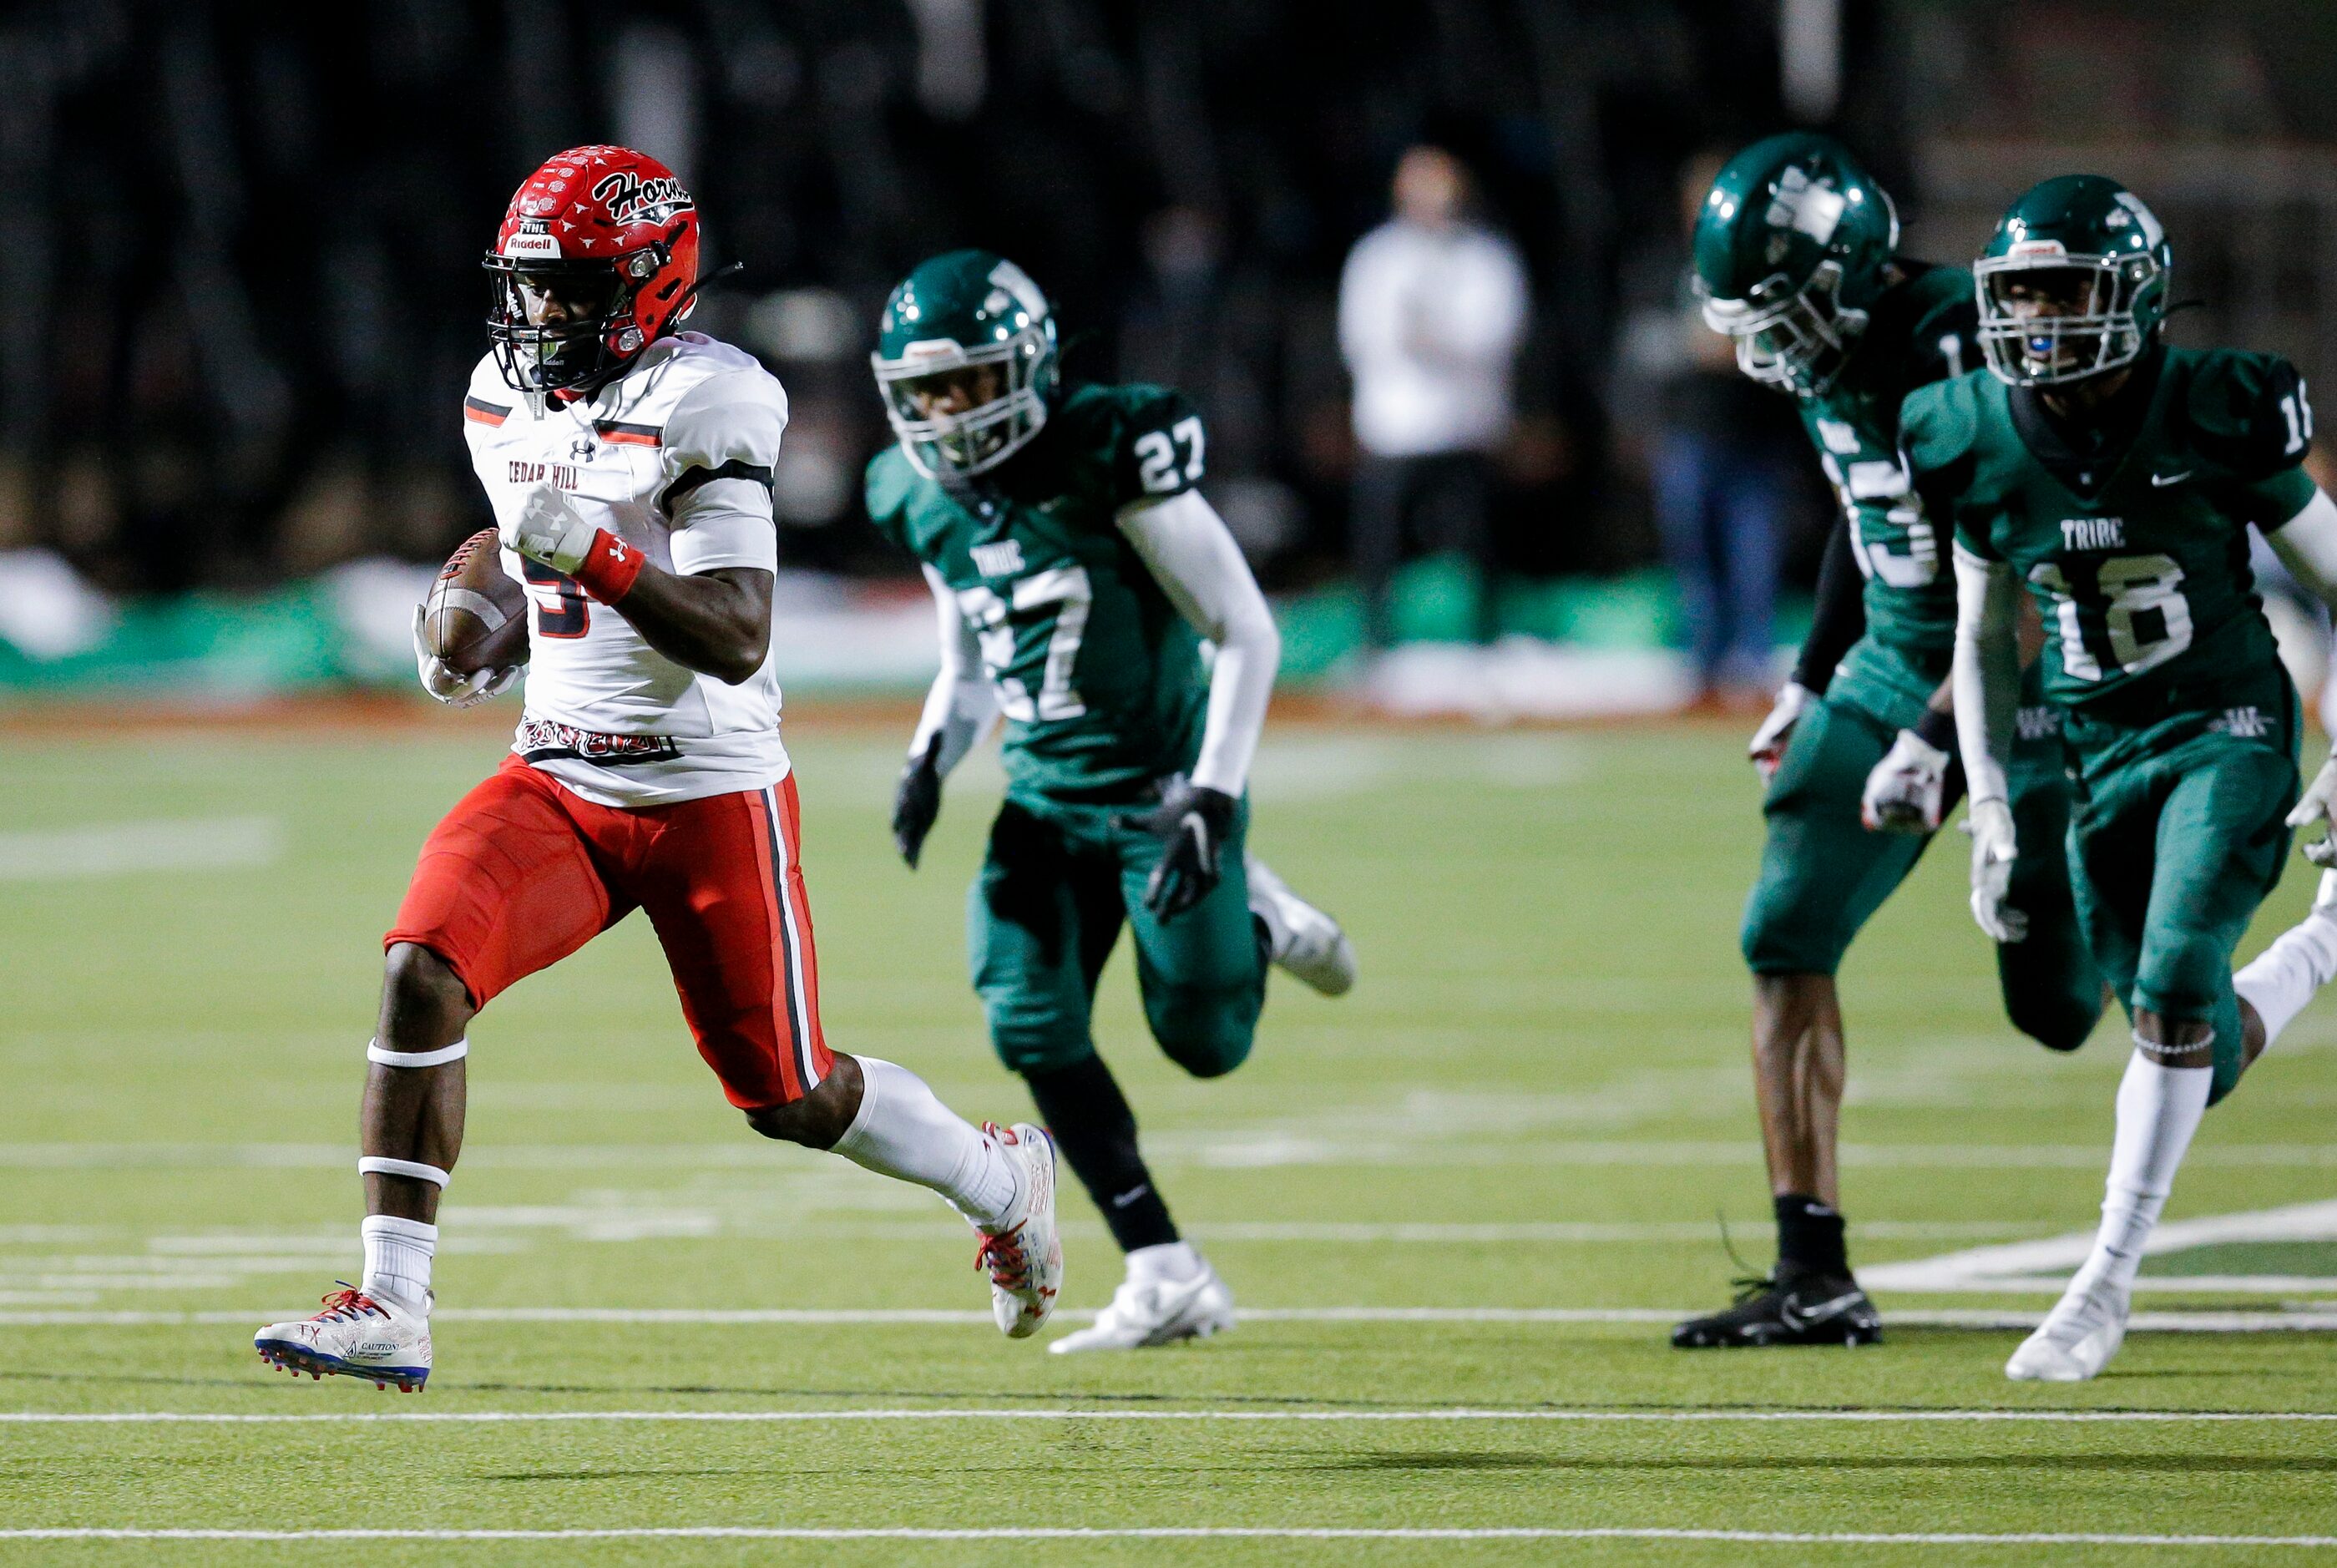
609,568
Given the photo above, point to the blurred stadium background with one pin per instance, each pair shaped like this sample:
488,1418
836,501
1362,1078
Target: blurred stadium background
239,291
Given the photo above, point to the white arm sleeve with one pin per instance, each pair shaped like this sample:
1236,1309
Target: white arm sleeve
717,451
961,705
1987,673
2307,546
1198,565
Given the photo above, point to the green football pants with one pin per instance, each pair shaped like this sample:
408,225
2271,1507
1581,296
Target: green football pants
2172,854
1823,874
1043,915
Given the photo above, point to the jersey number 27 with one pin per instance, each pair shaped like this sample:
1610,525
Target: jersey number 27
1066,591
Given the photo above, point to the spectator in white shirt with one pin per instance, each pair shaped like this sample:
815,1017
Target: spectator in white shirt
1432,307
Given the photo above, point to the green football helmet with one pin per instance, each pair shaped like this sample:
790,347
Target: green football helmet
965,360
1792,246
2073,283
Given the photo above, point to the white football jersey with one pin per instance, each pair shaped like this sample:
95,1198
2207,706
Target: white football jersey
674,457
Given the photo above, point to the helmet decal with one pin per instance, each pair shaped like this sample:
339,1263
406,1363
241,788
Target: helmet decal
2153,235
631,199
1017,283
1811,207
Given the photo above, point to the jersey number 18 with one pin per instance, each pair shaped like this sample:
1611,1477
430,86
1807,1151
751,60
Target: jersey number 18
2145,619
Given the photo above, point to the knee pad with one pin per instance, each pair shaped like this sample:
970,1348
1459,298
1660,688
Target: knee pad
1207,1034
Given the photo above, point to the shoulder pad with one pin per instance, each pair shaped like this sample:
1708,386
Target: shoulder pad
2245,412
1939,421
488,400
886,487
1155,443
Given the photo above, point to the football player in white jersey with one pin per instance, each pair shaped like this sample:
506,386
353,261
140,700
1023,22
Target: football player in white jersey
628,465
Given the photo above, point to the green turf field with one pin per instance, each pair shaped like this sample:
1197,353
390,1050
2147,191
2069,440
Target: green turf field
1462,1203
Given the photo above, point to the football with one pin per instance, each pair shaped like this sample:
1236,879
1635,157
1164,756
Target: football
473,617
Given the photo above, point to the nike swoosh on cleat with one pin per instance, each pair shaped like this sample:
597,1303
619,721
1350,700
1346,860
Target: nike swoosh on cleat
2161,481
1798,1318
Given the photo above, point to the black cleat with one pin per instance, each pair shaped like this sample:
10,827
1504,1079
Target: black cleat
1793,1307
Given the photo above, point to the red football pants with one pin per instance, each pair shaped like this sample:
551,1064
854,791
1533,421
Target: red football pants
522,872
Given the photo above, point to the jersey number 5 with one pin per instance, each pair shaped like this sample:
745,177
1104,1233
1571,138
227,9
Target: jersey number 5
1066,589
560,608
2145,619
1157,469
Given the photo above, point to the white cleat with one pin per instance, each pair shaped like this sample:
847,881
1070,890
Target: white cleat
2077,1338
1157,1312
1301,938
356,1336
1024,1256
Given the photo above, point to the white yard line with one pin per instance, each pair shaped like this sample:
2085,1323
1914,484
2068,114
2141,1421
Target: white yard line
2304,1320
1206,1533
125,848
1455,1414
2044,1264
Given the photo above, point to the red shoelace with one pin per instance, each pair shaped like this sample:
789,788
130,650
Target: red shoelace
1003,1256
349,1301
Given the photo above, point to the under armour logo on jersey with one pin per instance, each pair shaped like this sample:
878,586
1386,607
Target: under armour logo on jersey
1813,207
2093,533
2244,723
583,449
999,560
2038,723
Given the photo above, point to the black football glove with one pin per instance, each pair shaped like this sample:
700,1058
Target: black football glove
1194,823
916,801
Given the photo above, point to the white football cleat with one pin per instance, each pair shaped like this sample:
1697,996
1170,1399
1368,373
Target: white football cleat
1155,1312
1024,1256
1301,938
356,1336
2077,1338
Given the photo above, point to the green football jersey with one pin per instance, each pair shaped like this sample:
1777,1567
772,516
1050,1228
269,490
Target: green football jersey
1100,678
1920,331
2137,554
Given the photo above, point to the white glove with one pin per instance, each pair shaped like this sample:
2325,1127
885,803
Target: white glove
1904,792
549,531
2314,807
456,691
1768,746
1989,823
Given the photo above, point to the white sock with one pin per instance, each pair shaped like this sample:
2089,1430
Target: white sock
903,1132
1175,1262
2158,1110
397,1254
2279,981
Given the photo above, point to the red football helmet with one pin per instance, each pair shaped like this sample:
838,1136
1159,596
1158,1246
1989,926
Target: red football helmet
596,259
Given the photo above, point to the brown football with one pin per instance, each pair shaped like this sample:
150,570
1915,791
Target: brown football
476,616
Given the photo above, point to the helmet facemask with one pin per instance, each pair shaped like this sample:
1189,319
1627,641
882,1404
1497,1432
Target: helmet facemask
959,412
1797,339
595,333
2049,317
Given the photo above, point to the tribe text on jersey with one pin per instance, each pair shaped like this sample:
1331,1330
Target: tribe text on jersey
675,457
